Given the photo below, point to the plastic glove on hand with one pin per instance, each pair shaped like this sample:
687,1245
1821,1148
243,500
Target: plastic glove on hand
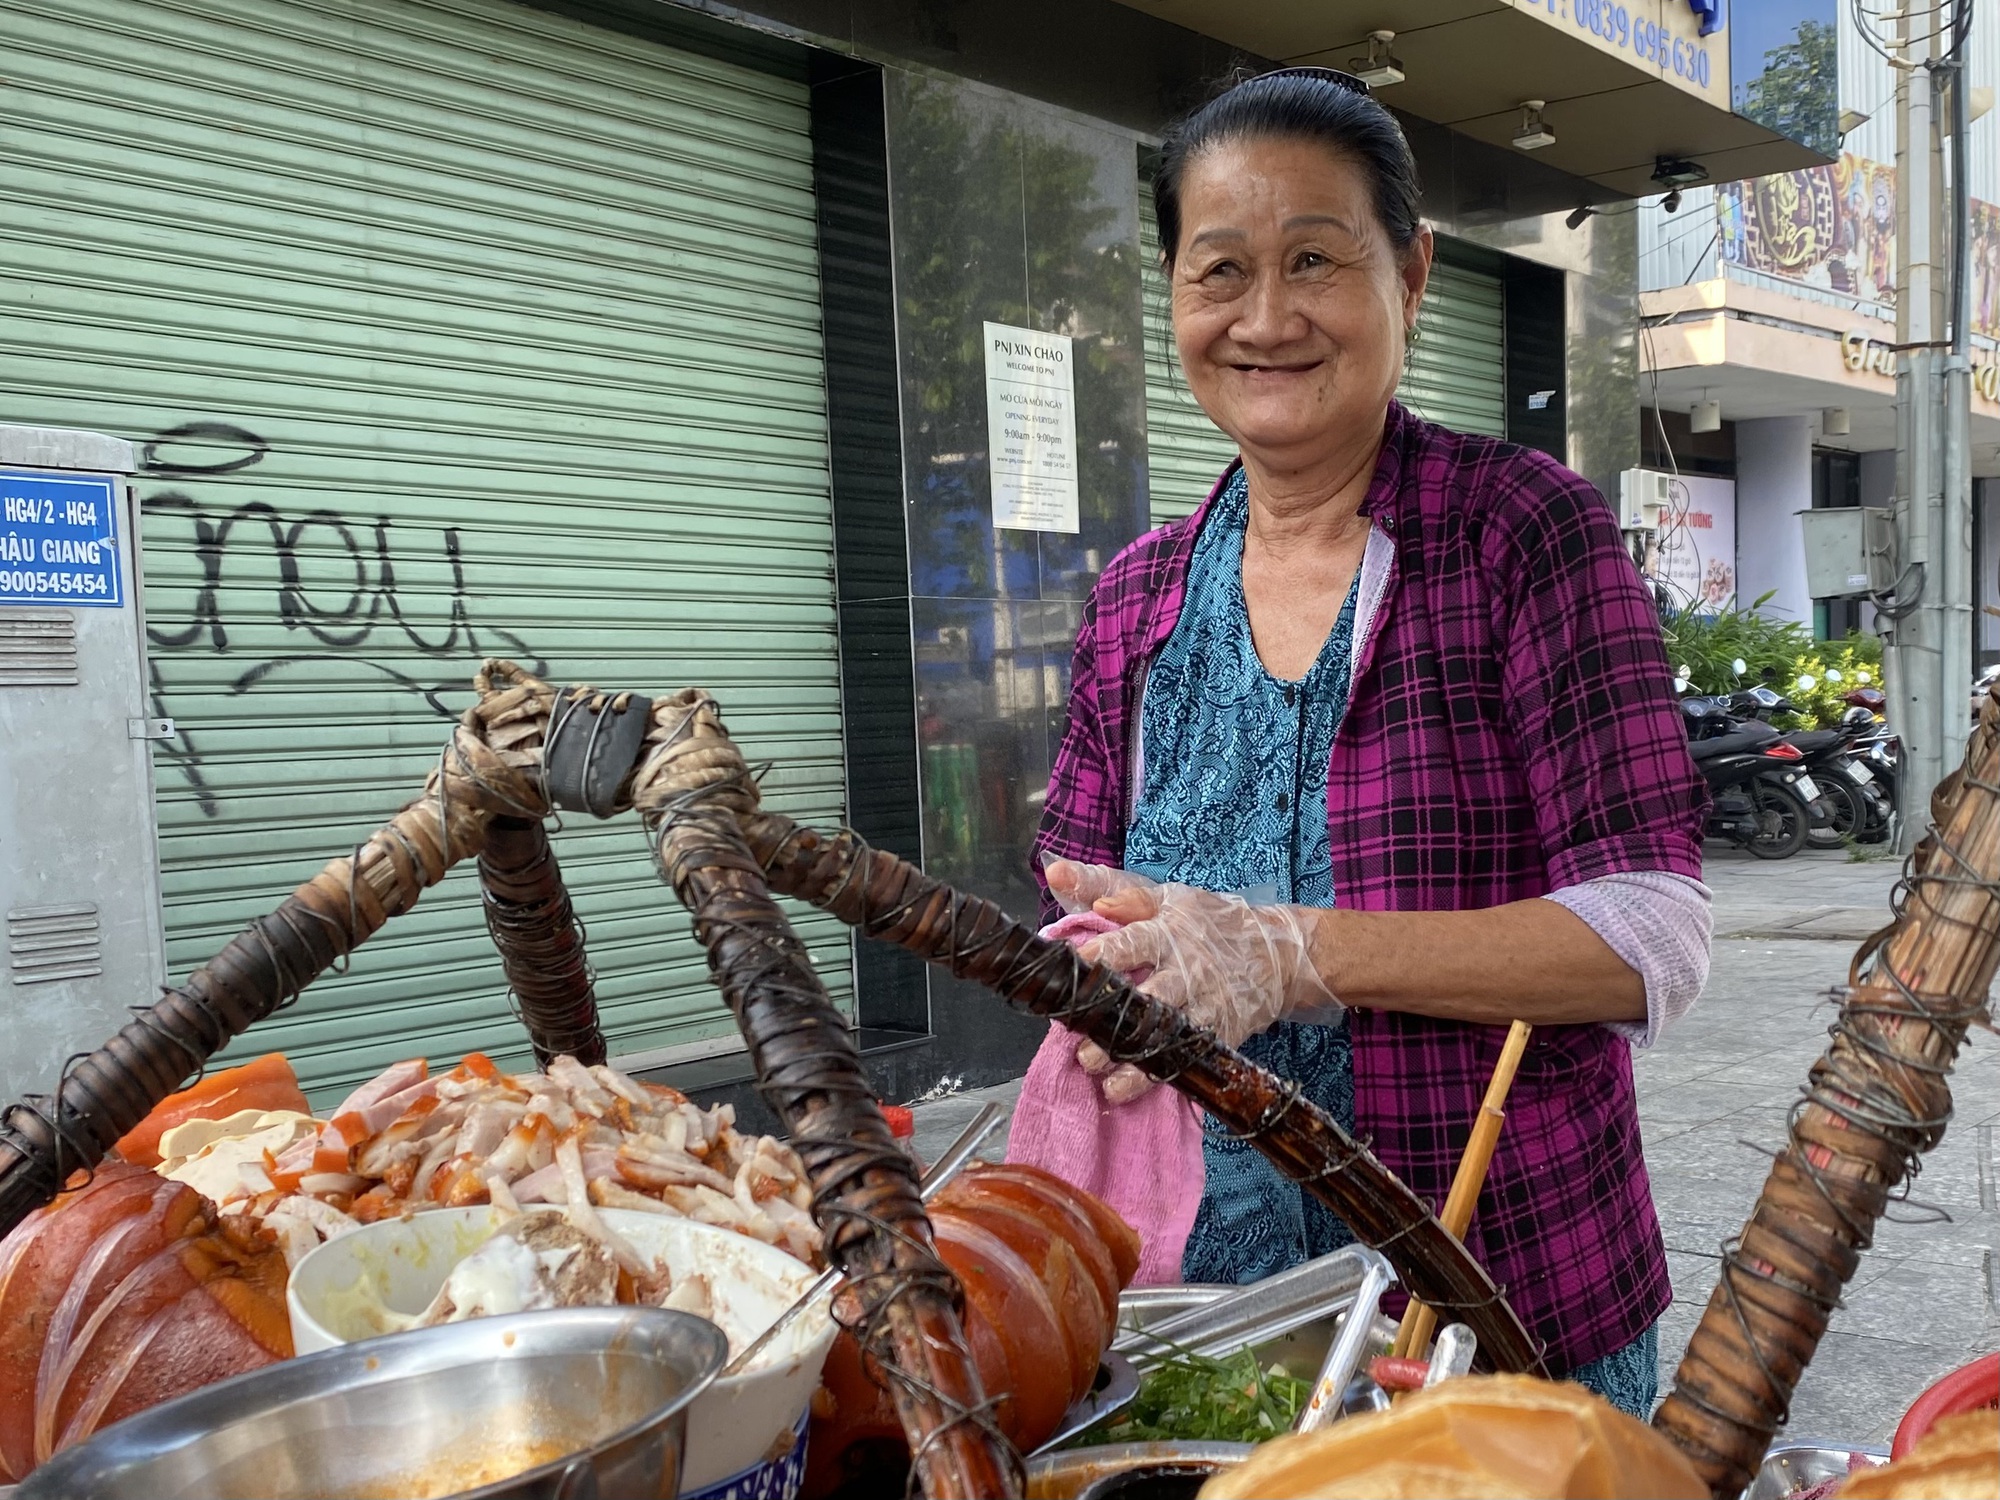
1230,966
1079,887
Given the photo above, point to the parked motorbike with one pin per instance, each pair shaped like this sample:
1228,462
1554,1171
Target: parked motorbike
1761,796
1875,748
1856,808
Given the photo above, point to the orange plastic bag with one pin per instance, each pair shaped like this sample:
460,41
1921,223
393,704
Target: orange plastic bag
267,1082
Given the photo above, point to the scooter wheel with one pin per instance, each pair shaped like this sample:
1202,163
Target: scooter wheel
1783,821
1847,813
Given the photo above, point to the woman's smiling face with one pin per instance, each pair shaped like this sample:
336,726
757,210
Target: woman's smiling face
1291,305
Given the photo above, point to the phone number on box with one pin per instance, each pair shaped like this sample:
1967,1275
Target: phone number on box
25,582
1647,40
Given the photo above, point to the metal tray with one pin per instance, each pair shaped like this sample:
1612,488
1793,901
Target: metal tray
1288,1319
1800,1463
1117,1383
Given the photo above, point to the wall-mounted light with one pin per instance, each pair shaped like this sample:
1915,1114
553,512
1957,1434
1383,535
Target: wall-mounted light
1833,422
1380,67
1678,172
1705,416
1852,120
1534,132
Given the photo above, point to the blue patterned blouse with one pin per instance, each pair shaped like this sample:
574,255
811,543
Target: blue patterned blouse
1234,799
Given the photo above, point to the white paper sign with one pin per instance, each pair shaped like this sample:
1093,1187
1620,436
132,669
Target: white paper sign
1031,429
1698,542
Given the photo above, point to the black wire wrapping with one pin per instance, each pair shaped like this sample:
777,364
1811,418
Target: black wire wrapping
46,1140
1876,1099
540,941
699,803
865,1196
891,900
104,1093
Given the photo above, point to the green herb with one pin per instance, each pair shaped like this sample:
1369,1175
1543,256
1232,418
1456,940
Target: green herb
1193,1398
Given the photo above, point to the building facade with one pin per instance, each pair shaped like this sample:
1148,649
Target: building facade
645,344
1775,299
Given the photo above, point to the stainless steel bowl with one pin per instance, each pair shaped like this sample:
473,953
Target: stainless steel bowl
571,1404
1066,1475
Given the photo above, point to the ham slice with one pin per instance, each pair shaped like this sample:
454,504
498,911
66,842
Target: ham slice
391,1080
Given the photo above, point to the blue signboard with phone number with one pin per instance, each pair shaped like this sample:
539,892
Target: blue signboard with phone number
59,539
1646,40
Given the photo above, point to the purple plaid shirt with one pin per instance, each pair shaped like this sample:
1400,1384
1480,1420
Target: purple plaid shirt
1511,731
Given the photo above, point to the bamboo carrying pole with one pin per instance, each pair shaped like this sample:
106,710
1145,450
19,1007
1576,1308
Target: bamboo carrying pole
693,790
102,1094
1419,1319
1874,1101
725,856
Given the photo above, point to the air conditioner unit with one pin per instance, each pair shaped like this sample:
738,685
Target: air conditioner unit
1645,496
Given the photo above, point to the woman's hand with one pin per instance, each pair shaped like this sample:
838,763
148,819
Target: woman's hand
1229,966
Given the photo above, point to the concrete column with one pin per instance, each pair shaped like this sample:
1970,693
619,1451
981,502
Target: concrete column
1773,483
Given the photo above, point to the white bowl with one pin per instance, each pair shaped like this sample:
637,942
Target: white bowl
732,1426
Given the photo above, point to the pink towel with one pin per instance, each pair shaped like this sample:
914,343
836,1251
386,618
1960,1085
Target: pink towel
1143,1158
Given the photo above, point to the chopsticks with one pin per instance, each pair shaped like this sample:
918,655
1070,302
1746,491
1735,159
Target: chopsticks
1418,1320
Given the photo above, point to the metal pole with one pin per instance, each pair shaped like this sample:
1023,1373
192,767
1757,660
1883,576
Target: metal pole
1959,596
1916,671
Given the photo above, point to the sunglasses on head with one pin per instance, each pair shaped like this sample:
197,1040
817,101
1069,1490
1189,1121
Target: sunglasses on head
1333,76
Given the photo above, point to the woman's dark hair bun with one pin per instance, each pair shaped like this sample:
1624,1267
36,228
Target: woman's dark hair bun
1302,104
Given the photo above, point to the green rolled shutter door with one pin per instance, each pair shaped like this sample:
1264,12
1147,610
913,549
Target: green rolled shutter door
457,329
1184,450
1456,374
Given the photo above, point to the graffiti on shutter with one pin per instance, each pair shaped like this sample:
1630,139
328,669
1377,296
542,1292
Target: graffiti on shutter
373,606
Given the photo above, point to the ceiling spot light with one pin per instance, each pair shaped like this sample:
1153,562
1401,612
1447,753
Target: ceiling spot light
1380,67
1534,132
1578,215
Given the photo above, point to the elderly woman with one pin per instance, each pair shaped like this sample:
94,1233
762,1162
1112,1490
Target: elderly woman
1376,751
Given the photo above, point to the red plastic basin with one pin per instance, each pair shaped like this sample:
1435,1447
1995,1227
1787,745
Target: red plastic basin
1973,1388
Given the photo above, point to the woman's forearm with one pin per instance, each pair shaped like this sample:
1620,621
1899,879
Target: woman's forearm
1529,961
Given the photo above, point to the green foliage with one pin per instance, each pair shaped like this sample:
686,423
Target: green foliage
1705,646
1780,654
1796,92
1819,678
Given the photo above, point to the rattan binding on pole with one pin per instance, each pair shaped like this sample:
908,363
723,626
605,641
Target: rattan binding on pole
534,926
44,1140
891,900
724,856
1873,1103
693,792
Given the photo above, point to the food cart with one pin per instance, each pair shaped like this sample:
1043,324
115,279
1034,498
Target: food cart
526,749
